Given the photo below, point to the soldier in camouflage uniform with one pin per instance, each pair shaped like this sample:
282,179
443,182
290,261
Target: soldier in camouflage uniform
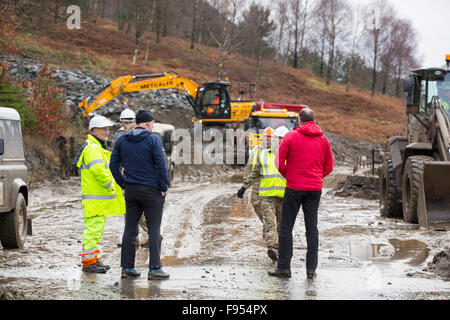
267,203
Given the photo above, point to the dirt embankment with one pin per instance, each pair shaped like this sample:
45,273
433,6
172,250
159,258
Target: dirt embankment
102,49
440,264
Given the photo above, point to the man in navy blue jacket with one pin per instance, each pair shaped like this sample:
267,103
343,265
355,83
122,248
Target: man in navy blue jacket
145,181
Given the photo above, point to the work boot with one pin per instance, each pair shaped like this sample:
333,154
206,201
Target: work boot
280,273
310,274
273,254
94,268
100,264
132,272
157,274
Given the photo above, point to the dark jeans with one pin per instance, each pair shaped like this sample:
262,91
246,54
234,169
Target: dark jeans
140,198
292,201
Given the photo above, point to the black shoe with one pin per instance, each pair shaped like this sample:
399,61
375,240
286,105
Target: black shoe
145,244
100,264
94,268
132,272
311,274
280,273
158,274
273,254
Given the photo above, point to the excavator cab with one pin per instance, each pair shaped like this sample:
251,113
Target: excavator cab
213,100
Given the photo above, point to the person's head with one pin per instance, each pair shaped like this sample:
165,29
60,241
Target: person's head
280,132
268,134
144,119
99,127
305,115
127,118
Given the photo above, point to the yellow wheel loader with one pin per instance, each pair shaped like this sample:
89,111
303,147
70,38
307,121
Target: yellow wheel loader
415,175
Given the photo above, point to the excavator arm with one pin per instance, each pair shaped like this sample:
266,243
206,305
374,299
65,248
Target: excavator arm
141,83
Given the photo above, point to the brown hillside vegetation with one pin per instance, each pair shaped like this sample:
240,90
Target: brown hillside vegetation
102,49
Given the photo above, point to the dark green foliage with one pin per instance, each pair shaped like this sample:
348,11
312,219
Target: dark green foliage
12,96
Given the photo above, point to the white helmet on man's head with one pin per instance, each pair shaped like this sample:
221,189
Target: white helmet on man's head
281,131
127,115
99,122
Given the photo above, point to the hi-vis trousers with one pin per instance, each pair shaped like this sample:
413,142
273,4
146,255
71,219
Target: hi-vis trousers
93,231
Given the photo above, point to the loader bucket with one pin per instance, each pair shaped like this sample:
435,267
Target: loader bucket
434,196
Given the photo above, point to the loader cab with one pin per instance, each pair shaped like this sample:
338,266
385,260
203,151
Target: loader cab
214,100
425,87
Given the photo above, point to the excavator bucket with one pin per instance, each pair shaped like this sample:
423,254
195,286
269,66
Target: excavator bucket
434,196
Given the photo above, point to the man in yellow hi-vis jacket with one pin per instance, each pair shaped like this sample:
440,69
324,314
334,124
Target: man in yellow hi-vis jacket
268,189
101,196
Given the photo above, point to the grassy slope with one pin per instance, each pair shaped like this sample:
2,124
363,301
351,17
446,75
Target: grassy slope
102,49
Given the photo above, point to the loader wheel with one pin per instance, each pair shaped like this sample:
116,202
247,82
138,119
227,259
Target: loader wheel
412,178
390,204
13,225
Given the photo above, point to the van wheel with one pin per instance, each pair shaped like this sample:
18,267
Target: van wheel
13,225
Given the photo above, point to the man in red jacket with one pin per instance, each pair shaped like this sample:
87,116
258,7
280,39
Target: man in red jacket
304,159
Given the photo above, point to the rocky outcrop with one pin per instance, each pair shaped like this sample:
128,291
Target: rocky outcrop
358,186
168,106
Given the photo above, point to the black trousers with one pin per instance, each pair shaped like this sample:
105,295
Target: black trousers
140,198
293,200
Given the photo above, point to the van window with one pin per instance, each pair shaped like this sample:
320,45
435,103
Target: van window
11,133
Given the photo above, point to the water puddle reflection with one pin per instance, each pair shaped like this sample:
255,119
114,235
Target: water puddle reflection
414,252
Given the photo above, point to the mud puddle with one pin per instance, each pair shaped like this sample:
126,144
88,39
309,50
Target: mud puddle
213,249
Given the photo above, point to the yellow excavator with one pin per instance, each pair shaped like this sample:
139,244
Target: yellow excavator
211,102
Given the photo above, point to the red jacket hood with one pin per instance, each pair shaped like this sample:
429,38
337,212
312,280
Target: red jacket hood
310,129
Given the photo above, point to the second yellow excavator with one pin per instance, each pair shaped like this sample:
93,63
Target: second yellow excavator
211,102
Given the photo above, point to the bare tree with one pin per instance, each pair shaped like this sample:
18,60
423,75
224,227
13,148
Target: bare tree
405,58
288,48
295,10
357,33
139,11
256,28
378,13
150,24
194,23
337,14
320,20
225,38
303,32
281,9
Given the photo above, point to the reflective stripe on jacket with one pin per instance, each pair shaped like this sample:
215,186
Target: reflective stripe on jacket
272,182
101,196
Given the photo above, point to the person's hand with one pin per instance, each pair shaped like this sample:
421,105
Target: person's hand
163,193
240,193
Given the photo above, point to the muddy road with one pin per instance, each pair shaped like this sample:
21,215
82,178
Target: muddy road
213,249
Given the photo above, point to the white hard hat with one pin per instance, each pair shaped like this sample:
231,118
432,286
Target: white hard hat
281,131
127,114
99,122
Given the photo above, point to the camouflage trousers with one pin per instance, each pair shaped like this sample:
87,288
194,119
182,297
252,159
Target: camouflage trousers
268,210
